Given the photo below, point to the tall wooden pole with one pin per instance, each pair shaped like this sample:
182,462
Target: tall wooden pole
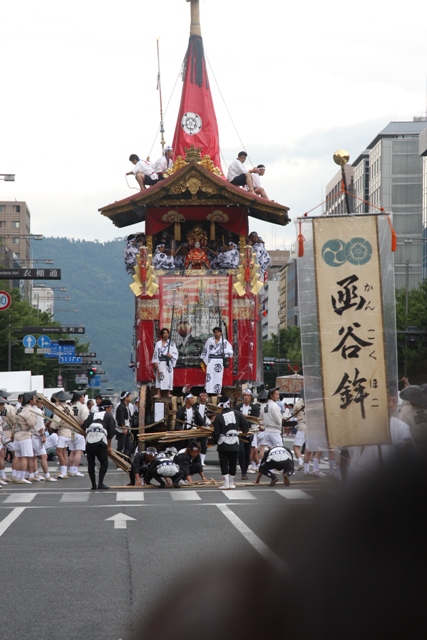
195,29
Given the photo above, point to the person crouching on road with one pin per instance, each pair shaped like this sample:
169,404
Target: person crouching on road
189,462
276,458
100,428
140,464
161,468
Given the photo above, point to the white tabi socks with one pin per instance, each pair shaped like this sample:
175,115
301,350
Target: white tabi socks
226,484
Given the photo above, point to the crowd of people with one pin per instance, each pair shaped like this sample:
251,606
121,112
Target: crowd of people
252,435
220,254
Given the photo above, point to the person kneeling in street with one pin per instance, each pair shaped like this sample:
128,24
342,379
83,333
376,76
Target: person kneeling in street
163,467
100,428
190,462
140,465
276,458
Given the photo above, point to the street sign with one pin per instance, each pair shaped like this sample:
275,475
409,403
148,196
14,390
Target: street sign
81,379
59,381
5,300
30,274
95,382
55,350
43,351
43,342
29,342
69,360
91,361
87,354
29,350
104,379
50,330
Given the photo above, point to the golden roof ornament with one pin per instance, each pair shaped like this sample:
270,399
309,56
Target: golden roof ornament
341,157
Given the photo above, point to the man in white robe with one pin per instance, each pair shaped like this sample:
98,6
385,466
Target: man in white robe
214,352
164,359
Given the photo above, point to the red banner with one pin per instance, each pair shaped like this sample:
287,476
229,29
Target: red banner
196,124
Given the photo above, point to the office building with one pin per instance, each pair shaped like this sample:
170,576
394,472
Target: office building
389,175
270,298
423,154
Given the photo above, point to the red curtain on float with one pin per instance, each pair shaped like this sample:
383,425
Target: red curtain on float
196,122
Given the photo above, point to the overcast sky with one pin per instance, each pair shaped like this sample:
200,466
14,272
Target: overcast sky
78,95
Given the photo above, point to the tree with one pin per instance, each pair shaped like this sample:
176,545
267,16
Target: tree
21,314
287,345
412,359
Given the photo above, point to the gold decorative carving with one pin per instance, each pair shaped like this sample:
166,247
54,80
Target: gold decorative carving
193,185
208,164
216,216
193,153
176,218
178,164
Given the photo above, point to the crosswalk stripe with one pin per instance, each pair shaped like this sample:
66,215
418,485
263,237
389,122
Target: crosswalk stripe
20,498
75,497
293,494
239,495
137,496
185,495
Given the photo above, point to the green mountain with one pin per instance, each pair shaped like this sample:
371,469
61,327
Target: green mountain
96,280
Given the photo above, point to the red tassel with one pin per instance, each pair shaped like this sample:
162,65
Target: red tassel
300,240
393,236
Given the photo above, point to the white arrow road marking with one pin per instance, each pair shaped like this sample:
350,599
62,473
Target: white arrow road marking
120,520
252,538
7,521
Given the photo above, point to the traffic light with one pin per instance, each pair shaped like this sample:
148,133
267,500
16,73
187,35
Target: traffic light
91,373
412,336
268,364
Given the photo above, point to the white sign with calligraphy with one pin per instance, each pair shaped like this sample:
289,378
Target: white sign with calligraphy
351,330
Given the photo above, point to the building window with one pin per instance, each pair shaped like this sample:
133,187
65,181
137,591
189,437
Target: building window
2,208
15,224
16,208
2,224
15,240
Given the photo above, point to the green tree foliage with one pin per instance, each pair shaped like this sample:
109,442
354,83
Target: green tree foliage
285,344
21,314
412,360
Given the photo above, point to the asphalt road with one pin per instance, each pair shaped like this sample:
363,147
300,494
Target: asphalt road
81,564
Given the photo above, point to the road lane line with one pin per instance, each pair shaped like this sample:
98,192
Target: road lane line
20,498
253,539
239,495
185,495
7,521
293,494
75,497
130,497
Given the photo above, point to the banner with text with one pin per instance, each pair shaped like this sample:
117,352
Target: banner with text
345,336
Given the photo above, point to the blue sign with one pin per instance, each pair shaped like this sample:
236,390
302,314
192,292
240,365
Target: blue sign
57,350
95,382
69,360
43,342
29,342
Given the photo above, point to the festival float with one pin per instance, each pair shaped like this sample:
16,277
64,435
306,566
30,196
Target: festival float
192,215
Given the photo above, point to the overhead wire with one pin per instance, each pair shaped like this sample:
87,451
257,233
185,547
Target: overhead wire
228,112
